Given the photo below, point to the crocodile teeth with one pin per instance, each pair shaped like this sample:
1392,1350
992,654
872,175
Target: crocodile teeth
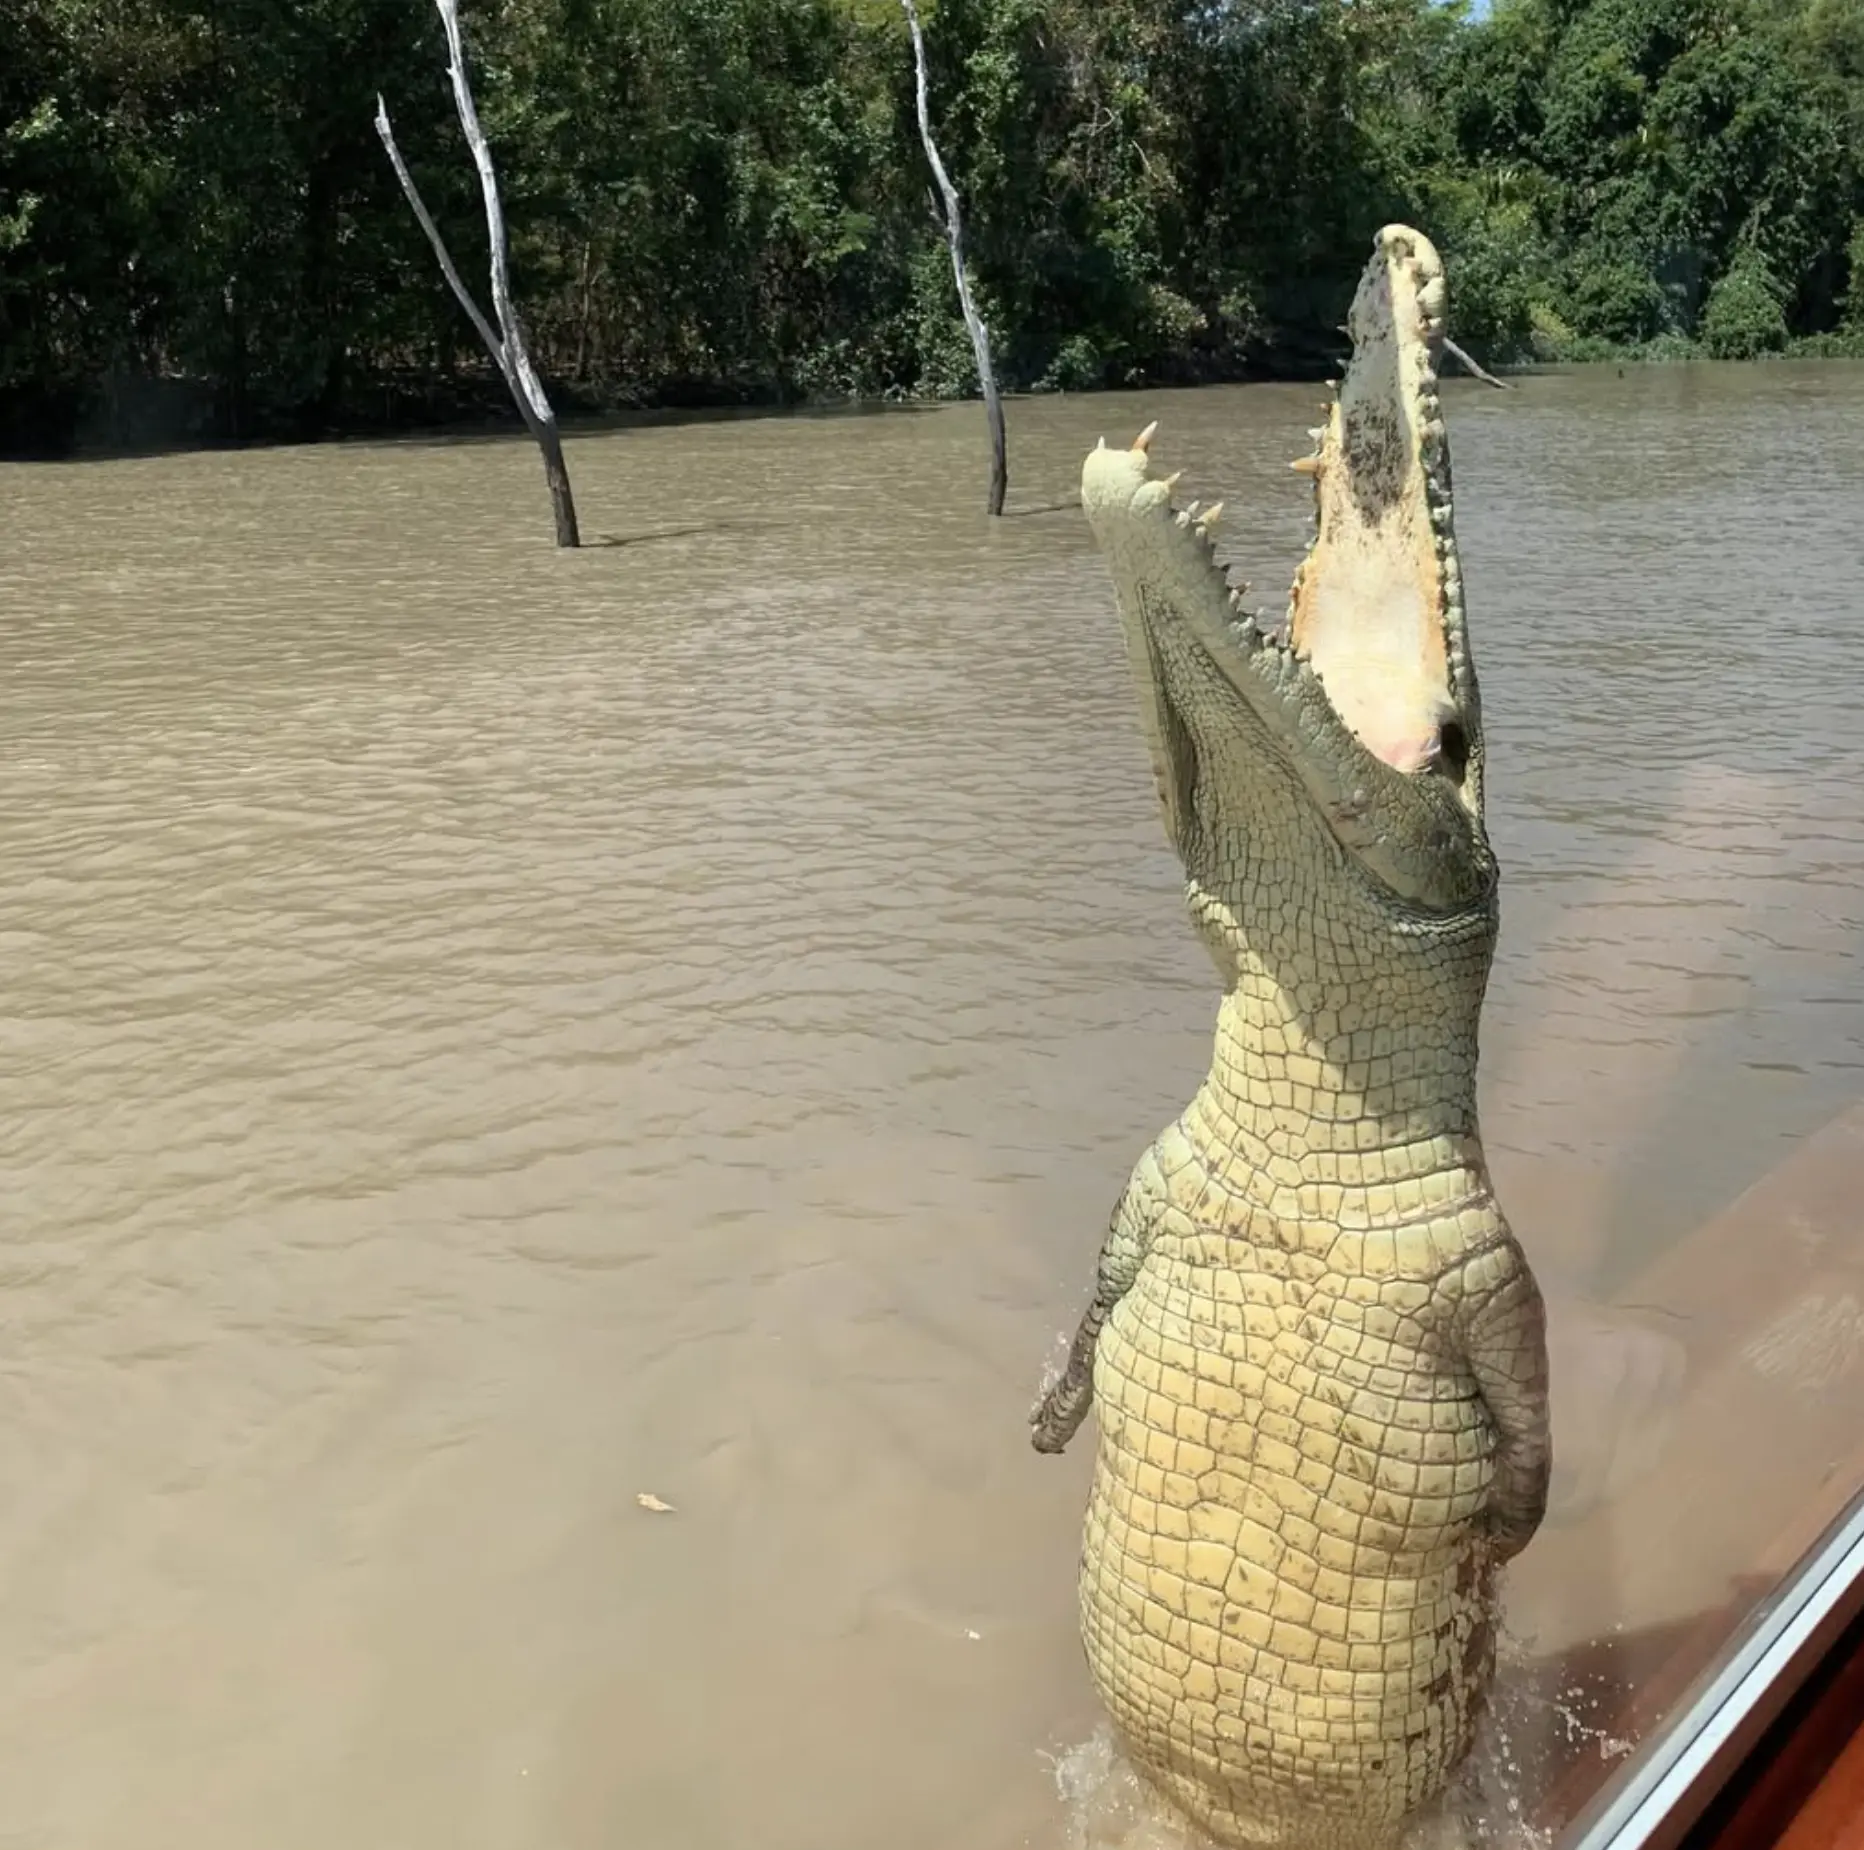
1100,443
1210,516
1143,442
1318,431
1172,480
1305,465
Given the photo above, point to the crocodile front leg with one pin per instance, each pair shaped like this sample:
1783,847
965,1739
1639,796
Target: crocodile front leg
1503,1329
1059,1414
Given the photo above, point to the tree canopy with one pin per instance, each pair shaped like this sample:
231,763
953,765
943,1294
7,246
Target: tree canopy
716,200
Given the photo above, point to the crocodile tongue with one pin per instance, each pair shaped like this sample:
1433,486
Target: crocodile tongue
1370,602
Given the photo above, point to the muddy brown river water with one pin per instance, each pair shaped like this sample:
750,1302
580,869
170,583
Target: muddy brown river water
486,1033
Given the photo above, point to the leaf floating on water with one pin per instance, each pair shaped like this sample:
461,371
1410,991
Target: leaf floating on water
648,1501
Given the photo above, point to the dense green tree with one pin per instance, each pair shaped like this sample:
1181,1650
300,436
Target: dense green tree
725,199
1625,158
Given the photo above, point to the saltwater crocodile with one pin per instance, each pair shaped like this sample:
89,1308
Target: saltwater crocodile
1318,1354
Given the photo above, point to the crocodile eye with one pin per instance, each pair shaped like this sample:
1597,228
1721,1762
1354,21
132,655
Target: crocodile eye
1453,749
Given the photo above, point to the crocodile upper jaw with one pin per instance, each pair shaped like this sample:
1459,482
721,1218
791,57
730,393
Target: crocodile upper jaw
1371,698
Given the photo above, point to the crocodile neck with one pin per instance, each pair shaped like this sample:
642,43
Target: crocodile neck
1350,1118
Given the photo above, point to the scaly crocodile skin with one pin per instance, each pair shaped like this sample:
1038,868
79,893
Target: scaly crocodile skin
1317,1352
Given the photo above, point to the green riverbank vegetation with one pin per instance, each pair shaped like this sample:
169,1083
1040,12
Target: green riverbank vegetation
719,201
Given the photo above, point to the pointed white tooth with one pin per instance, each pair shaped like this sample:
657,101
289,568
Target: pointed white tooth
1318,431
1143,442
1210,516
1305,465
1172,480
1100,443
1192,509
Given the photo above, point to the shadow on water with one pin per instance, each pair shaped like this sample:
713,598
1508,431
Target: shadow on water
602,540
1047,507
175,419
579,427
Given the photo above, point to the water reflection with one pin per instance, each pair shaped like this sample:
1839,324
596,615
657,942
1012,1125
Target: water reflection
490,1034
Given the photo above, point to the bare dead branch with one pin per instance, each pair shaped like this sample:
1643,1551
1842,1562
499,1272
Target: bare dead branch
506,346
519,360
493,345
1470,366
954,236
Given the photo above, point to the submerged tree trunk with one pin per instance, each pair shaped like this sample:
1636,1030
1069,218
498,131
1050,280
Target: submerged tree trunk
954,236
506,345
557,475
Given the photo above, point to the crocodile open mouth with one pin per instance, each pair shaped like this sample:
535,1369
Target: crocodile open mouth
1369,695
1377,601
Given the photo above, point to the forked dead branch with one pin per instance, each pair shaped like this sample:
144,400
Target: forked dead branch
506,343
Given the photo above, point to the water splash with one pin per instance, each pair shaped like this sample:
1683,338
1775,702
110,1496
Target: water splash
1109,1807
1526,1742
